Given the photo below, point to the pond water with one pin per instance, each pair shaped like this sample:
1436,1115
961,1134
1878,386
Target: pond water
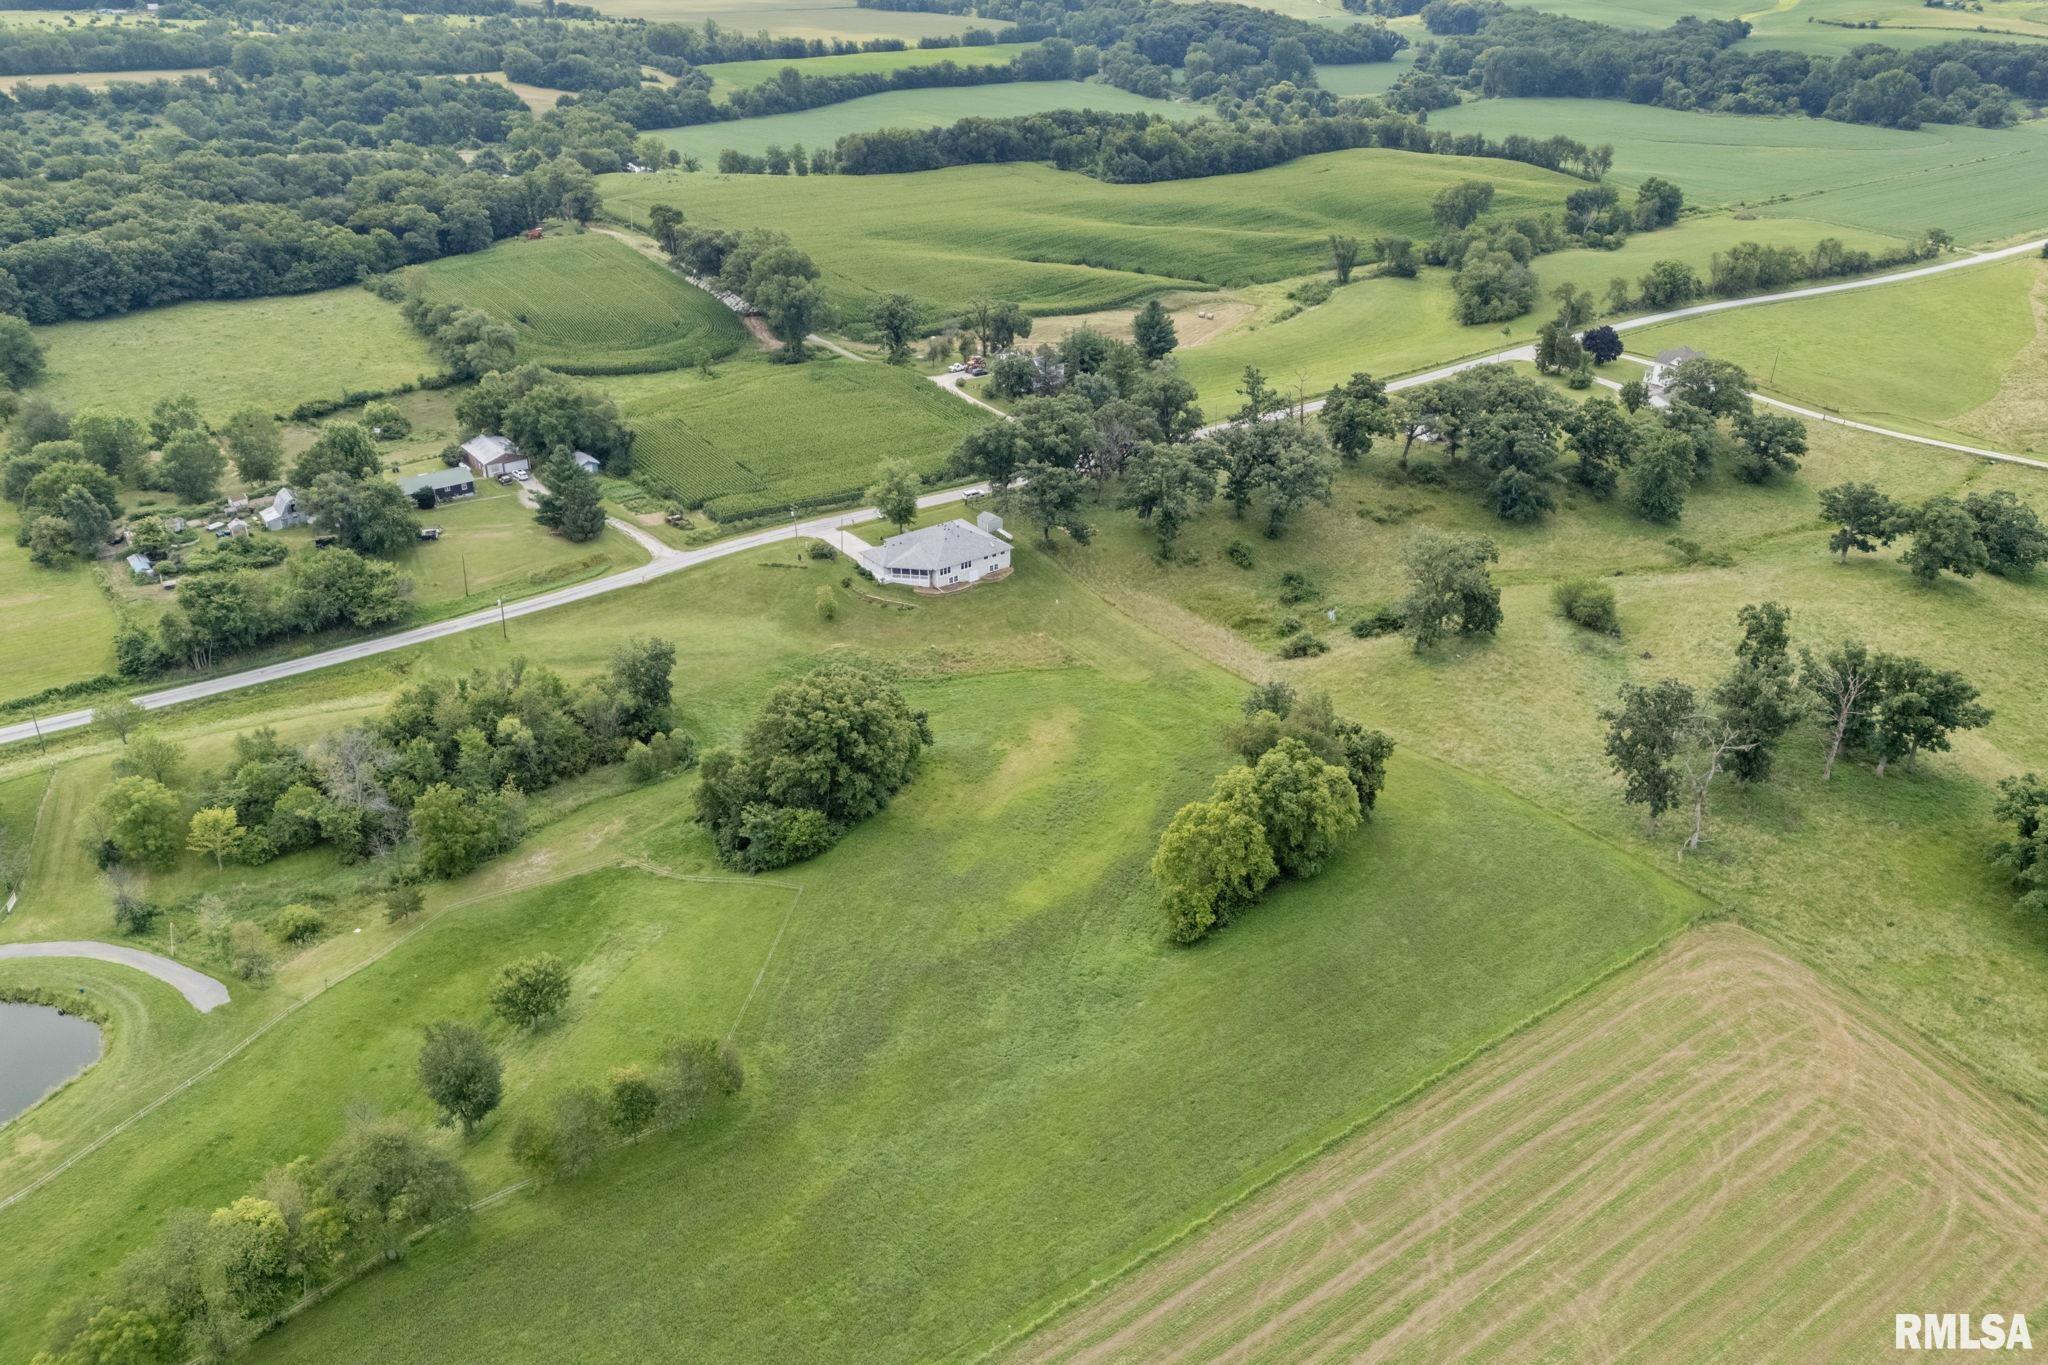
40,1049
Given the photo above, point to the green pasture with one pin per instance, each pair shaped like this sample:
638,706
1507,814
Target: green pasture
1060,242
100,80
1828,28
1933,355
1365,78
1979,183
57,624
759,435
1883,884
1390,327
936,107
825,19
276,351
929,1030
744,75
587,303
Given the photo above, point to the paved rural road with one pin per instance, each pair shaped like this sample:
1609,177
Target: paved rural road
665,561
668,561
202,990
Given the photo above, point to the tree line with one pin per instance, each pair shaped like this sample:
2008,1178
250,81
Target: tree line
435,784
206,1285
1501,52
1142,148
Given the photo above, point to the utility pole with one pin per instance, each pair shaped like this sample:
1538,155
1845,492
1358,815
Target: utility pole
503,629
465,573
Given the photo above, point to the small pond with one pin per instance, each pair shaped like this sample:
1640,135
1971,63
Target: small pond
40,1049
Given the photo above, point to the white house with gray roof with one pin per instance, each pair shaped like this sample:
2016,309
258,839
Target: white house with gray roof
953,554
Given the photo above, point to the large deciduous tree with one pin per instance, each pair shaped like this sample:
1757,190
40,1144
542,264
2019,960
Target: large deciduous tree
1449,587
461,1074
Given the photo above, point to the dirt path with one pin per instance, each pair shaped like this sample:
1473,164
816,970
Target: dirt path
1715,1156
200,990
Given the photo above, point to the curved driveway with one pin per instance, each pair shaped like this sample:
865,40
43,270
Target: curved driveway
203,991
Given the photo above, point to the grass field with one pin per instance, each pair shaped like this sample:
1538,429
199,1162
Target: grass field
1978,183
1717,1150
1060,242
823,126
1819,26
1390,326
760,434
276,352
800,18
1365,78
538,98
727,76
100,80
57,623
588,303
1882,884
1958,355
930,1031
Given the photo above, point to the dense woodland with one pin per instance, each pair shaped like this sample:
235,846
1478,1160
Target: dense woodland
1695,64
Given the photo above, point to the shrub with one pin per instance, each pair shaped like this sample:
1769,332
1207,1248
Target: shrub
297,923
403,902
1303,646
1385,620
132,914
661,756
1586,603
828,605
249,955
1296,587
820,550
531,991
1239,553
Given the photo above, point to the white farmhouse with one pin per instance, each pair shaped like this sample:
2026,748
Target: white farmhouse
1661,377
953,554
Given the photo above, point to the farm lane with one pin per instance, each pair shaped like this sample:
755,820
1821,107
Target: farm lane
668,562
204,993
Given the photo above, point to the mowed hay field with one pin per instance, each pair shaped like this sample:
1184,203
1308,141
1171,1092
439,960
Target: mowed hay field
1060,242
100,80
1981,184
802,18
1717,1156
761,435
933,108
56,625
1963,355
1824,27
744,75
588,303
275,352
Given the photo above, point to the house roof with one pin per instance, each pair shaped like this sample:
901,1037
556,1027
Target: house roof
488,448
454,476
139,563
937,547
1678,355
585,460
